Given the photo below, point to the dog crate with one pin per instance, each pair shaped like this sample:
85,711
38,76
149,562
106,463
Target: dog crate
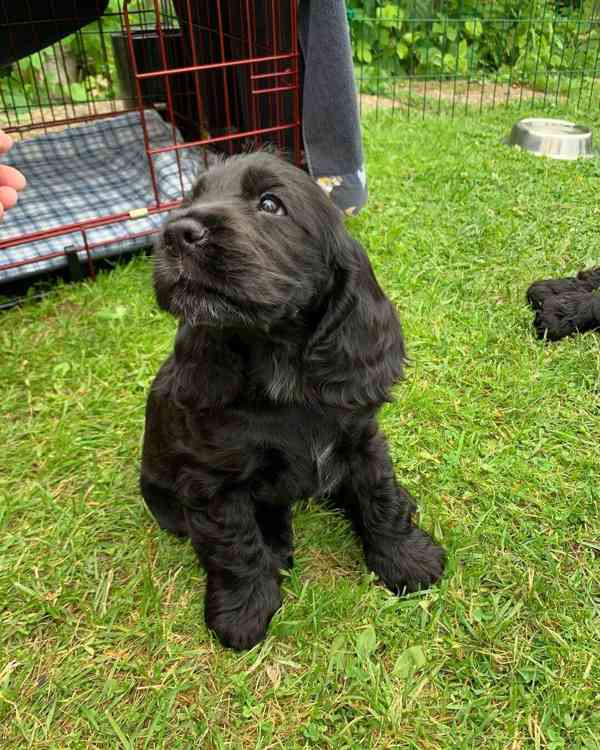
117,105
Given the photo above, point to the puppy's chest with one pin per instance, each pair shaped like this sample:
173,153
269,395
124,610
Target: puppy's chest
277,451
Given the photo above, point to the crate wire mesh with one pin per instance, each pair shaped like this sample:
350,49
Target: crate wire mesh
422,57
130,107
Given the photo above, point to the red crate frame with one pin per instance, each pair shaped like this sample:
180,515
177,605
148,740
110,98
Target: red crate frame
273,84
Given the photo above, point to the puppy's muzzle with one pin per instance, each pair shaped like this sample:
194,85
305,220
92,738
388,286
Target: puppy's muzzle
186,235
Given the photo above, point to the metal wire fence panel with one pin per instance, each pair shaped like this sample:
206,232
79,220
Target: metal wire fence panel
418,57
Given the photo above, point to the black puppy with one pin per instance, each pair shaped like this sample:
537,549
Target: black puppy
566,306
286,349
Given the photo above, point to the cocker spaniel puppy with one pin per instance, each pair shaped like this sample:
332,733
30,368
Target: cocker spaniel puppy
566,306
285,351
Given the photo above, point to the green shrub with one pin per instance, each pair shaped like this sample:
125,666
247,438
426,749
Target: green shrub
515,38
80,68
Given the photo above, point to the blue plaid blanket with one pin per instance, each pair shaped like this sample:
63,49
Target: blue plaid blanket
89,171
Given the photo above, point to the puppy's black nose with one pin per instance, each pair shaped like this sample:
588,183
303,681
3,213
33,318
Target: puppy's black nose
186,234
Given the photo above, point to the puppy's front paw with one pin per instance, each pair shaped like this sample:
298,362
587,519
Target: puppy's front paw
411,563
240,616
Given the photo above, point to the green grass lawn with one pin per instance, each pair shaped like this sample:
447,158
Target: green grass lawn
102,637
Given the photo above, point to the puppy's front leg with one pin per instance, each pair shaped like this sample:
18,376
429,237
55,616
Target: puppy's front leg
242,590
402,555
275,523
164,506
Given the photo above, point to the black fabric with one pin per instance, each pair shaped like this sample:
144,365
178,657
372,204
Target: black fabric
331,122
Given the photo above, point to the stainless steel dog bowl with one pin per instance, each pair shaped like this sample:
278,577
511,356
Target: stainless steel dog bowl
557,139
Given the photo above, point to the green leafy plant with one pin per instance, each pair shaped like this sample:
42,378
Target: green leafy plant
79,68
509,38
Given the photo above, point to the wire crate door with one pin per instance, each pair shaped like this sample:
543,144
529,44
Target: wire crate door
225,75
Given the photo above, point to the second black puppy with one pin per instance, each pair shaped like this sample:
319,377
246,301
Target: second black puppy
565,306
286,349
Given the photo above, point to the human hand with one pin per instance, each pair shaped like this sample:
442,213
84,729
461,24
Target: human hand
11,180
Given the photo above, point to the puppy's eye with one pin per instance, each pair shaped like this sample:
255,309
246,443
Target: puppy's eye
271,204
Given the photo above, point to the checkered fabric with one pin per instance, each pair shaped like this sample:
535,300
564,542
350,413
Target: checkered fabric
94,170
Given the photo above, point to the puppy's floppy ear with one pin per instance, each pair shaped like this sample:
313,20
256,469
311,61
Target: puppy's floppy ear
357,353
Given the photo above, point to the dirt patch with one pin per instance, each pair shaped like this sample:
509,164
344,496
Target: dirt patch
431,95
329,567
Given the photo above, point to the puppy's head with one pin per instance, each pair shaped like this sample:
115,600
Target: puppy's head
260,246
253,246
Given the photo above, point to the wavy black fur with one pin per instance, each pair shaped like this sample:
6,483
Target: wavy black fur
286,349
566,306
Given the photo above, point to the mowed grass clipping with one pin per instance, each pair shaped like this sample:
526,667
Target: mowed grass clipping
102,638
